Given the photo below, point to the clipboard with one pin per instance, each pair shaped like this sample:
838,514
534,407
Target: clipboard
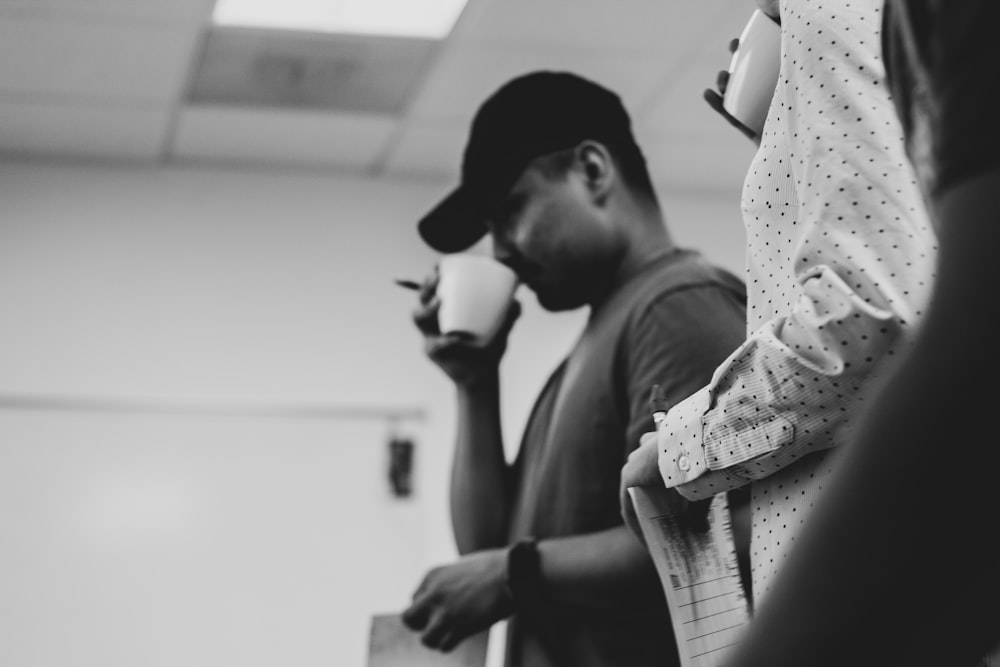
699,574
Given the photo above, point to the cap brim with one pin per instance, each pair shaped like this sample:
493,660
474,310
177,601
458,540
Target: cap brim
455,224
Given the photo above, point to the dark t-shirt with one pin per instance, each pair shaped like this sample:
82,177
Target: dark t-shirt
671,324
941,63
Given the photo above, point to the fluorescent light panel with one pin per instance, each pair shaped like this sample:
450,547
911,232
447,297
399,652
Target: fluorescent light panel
432,19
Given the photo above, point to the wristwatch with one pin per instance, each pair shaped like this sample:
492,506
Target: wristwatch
523,573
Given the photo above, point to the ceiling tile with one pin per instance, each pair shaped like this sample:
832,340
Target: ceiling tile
465,76
281,137
625,27
157,12
122,65
352,73
56,60
82,131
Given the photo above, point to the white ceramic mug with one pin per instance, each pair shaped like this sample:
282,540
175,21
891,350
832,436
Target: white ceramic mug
753,72
475,292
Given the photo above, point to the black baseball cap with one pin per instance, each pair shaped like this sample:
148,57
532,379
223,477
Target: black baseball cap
529,116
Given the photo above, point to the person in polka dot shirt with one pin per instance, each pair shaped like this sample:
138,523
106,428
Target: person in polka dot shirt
882,575
839,266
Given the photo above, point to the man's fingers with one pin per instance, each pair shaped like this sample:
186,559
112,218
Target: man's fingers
631,518
721,81
450,641
435,633
624,502
642,467
696,515
449,345
416,615
714,100
512,316
429,287
426,317
734,44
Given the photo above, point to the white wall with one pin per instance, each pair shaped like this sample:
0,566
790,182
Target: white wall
711,222
181,539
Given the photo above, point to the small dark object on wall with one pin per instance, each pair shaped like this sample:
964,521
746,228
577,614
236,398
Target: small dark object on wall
401,466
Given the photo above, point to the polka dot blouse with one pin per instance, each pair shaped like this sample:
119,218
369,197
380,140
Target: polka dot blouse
840,258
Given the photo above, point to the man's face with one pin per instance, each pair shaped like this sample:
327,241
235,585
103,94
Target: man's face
548,231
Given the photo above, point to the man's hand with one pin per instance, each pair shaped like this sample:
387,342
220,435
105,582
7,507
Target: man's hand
715,99
642,469
458,600
464,364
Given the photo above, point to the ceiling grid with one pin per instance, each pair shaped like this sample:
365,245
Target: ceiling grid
118,79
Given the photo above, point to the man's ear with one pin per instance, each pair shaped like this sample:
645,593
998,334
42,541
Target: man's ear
598,169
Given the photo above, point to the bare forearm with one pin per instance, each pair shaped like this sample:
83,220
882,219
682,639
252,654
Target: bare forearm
605,569
479,478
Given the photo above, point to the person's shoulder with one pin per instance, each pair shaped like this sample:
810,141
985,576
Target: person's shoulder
686,300
688,269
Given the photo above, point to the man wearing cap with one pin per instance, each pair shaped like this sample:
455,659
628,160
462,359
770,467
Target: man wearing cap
552,173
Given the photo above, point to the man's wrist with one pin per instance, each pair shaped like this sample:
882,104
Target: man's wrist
523,572
482,384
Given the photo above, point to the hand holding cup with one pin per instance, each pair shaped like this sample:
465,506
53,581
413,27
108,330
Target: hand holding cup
716,98
746,88
466,312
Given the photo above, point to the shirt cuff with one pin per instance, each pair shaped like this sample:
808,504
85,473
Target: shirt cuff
680,440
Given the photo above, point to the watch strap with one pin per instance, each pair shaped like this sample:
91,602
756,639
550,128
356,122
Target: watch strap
523,571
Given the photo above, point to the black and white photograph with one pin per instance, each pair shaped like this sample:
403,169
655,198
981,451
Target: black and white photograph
498,333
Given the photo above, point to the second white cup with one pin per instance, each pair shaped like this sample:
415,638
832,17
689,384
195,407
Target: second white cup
753,72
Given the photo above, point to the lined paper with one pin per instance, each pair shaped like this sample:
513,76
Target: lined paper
699,574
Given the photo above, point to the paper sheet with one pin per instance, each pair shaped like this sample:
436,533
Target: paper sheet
700,577
391,644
